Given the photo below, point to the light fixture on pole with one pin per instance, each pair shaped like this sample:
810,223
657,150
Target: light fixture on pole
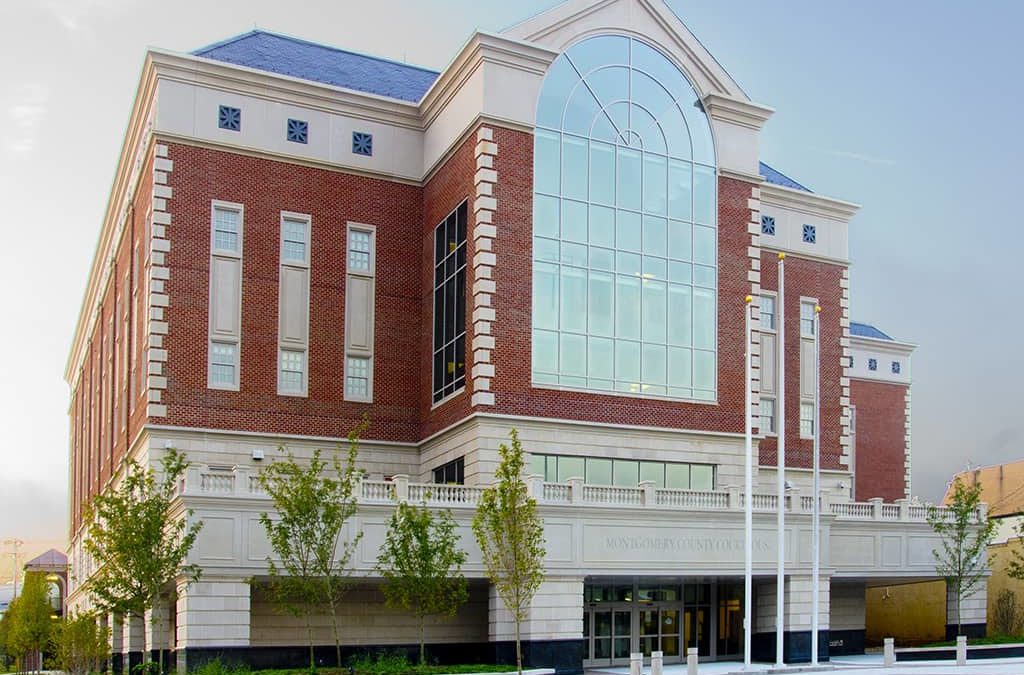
748,502
816,517
780,576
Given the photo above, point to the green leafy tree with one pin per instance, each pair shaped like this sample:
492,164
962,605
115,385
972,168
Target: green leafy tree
1015,568
312,507
961,560
139,540
29,632
511,537
80,644
422,564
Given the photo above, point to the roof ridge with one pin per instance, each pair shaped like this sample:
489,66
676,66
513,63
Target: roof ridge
321,45
791,180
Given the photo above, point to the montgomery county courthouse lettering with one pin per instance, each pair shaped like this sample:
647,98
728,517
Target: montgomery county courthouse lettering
557,234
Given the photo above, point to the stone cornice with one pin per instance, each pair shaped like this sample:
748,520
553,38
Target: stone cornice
808,202
737,111
878,344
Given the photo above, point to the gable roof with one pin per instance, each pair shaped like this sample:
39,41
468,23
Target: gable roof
1002,487
52,558
868,331
290,56
778,178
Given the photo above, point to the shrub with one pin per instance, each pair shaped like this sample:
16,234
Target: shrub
80,645
216,667
1007,617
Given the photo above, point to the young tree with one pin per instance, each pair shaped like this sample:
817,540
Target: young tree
1015,568
511,537
422,564
305,533
29,632
80,644
138,540
964,539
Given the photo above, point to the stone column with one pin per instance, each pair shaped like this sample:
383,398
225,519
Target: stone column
551,633
797,616
212,614
115,638
846,618
157,624
133,642
973,612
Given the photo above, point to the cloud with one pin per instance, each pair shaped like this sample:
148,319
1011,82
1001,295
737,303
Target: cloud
32,510
857,156
24,116
72,14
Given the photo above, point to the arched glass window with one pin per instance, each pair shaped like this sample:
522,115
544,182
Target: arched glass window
624,226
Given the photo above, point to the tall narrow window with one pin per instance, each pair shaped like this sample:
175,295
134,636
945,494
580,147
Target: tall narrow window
808,367
293,305
769,358
625,257
226,225
360,290
450,304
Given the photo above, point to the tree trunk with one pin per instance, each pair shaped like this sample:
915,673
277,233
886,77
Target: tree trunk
519,651
309,637
422,650
337,637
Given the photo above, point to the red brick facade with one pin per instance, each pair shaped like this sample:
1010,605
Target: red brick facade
405,216
820,281
880,447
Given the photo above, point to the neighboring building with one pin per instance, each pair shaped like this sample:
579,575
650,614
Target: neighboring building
299,235
54,565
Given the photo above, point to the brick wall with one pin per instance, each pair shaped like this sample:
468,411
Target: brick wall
880,445
810,279
333,199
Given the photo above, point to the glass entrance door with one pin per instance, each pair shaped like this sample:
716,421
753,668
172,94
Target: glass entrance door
612,631
659,631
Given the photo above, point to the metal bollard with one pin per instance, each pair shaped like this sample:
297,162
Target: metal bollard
890,652
657,659
961,650
636,663
691,661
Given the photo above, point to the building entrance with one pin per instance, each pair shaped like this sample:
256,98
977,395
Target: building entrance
620,618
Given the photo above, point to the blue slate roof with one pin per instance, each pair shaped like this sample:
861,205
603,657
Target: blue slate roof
868,331
778,178
319,63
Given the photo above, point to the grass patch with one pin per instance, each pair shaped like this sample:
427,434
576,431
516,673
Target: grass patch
383,664
993,640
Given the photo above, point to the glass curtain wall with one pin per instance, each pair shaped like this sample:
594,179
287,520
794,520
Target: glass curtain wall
625,265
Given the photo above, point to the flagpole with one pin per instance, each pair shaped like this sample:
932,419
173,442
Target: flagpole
748,502
780,576
815,525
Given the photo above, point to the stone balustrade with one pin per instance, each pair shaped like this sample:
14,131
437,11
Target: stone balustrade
242,482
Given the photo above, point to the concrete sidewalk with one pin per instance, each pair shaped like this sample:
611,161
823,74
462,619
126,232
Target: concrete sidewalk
867,664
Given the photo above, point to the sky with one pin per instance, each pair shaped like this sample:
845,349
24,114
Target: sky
910,108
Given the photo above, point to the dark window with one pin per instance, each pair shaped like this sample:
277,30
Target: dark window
298,131
450,304
229,118
362,143
452,472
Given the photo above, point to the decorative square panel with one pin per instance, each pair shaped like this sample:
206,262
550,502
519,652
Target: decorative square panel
768,225
362,143
298,131
872,364
895,367
229,118
810,234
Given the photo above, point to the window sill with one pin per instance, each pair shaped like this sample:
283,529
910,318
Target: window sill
624,394
455,394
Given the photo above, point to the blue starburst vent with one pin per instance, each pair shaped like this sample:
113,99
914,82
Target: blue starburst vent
229,118
362,143
298,131
767,225
810,234
872,364
895,367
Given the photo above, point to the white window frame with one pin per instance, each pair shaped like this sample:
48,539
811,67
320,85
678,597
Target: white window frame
371,275
291,346
215,205
804,434
773,431
809,337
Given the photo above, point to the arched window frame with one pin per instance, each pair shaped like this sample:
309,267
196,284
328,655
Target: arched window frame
574,345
